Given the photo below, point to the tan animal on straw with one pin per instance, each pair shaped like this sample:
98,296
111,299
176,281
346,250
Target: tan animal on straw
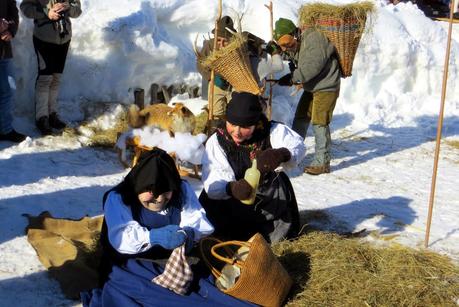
173,119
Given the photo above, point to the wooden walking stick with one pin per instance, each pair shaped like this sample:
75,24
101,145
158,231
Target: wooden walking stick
270,100
439,128
210,99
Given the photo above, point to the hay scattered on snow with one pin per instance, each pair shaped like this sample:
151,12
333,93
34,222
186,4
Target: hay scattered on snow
330,270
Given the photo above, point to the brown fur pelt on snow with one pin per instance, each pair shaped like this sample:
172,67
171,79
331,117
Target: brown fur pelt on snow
173,119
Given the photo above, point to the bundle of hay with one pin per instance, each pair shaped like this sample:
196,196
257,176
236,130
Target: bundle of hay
342,24
332,270
233,64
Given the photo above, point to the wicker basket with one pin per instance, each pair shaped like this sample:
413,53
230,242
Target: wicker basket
345,34
233,64
343,25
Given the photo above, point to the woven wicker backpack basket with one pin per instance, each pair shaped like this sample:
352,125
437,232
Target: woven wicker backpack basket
233,64
343,25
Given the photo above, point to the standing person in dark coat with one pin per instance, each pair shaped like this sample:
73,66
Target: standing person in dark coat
51,39
9,21
247,134
317,69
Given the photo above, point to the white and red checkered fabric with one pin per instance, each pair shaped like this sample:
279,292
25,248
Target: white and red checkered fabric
177,275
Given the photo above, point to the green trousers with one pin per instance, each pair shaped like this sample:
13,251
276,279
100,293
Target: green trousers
316,108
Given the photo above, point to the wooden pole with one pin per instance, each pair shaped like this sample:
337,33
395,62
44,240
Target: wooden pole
210,99
270,100
439,128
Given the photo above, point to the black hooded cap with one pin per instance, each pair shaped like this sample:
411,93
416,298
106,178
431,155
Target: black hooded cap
156,172
244,109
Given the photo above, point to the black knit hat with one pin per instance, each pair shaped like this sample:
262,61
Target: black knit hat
244,109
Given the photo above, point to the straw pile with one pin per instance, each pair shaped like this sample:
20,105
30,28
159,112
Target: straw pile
342,24
233,64
330,270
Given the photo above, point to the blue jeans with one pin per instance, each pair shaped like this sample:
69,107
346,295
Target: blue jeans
6,97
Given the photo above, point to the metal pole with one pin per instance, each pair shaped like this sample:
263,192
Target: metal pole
439,128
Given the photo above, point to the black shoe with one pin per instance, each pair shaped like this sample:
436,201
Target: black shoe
13,136
43,125
55,122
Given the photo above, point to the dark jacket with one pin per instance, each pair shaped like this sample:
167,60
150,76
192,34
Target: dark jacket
9,11
46,29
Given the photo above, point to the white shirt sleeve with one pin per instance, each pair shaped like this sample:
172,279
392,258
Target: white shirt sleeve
216,170
125,234
283,136
193,215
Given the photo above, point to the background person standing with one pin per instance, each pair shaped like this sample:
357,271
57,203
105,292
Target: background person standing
317,69
9,20
51,39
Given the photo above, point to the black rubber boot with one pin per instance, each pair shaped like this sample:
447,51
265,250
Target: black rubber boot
43,125
55,122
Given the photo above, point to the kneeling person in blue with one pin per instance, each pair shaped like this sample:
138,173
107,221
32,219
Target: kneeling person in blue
150,215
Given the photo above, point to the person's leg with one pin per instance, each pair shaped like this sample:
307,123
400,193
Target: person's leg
7,133
302,115
322,113
57,69
6,96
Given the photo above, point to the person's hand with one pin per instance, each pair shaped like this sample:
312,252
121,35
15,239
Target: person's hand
189,243
240,189
53,14
285,80
269,159
169,237
3,25
6,36
61,7
272,48
291,66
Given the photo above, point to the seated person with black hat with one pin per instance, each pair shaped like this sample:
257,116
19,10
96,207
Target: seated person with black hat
247,134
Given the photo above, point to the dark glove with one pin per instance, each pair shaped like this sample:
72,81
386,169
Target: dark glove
291,66
169,237
272,48
189,243
285,80
269,159
240,189
220,82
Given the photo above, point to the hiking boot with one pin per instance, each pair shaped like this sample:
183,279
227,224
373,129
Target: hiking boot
43,125
13,136
55,122
317,169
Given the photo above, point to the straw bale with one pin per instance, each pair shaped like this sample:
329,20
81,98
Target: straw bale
331,270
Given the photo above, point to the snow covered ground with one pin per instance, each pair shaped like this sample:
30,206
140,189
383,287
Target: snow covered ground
383,131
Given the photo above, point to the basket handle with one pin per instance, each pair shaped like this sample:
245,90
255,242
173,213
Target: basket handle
213,270
231,261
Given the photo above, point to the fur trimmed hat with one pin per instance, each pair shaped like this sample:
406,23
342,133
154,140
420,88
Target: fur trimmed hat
244,109
283,26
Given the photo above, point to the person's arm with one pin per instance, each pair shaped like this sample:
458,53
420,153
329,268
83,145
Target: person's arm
282,136
193,215
74,9
205,51
312,57
216,170
33,9
125,234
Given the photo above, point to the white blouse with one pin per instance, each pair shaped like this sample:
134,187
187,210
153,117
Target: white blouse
217,172
127,236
